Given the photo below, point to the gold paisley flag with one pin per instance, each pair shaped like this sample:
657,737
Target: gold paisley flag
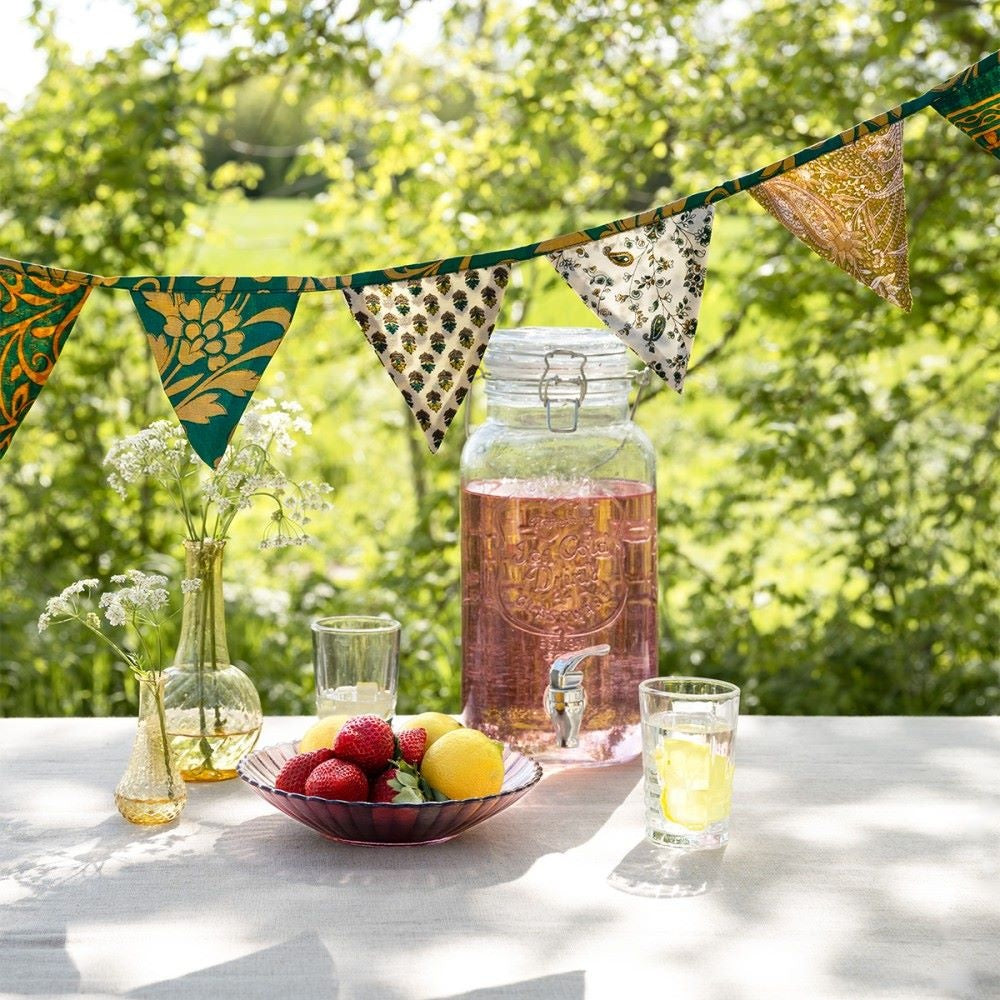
38,308
646,284
431,334
849,206
211,349
974,108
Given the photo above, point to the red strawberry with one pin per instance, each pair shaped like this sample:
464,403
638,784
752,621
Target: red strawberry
412,744
366,740
338,779
292,776
381,790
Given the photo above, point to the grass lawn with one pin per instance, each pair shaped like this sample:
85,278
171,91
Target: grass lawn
266,236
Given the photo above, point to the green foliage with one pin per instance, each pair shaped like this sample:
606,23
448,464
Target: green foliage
827,494
261,132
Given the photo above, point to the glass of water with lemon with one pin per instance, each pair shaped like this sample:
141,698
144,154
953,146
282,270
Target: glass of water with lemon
688,743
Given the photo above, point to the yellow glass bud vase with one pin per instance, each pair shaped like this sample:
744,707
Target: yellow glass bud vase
151,790
213,710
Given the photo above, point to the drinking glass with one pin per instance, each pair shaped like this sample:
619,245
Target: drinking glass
356,659
688,742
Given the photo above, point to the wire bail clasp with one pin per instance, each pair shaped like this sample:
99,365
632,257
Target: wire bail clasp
641,378
549,386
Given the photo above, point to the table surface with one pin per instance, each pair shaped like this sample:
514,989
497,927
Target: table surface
863,863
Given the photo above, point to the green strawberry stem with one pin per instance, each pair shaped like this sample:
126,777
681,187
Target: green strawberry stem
409,777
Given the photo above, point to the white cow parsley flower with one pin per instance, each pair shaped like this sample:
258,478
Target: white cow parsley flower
209,500
139,602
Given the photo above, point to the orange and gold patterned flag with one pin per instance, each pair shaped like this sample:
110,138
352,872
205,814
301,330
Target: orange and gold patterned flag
849,206
38,307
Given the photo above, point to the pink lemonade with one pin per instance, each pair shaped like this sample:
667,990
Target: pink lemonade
549,567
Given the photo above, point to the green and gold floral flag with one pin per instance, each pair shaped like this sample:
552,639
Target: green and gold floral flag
431,333
211,349
646,285
850,207
974,107
38,307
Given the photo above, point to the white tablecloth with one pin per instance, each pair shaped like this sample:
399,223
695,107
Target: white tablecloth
863,863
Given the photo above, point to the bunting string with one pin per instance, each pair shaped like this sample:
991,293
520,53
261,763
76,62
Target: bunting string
643,276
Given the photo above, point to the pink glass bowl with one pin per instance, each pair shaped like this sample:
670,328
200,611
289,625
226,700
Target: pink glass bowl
385,823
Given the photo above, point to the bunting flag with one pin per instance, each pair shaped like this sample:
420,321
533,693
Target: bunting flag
211,349
850,208
646,285
429,323
38,307
974,107
431,334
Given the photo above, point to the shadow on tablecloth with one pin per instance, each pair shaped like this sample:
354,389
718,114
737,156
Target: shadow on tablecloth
565,986
263,973
663,872
266,973
552,819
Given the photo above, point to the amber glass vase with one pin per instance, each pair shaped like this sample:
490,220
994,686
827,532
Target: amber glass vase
151,790
212,707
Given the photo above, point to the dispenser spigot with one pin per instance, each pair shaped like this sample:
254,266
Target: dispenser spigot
565,699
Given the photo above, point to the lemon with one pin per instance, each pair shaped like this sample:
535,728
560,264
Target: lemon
435,723
322,734
696,785
464,764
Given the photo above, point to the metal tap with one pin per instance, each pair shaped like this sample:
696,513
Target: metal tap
565,698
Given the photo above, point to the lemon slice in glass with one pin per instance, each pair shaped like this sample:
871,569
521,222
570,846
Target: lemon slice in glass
696,785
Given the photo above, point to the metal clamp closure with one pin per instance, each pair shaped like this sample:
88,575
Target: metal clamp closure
549,382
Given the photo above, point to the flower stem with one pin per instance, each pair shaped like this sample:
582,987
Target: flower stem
127,658
205,600
161,715
202,643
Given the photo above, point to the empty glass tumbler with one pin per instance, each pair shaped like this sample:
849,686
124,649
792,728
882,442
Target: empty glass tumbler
356,660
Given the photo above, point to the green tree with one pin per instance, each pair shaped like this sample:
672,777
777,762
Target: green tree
100,171
835,555
827,485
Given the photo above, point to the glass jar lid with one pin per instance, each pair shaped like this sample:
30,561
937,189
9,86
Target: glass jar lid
523,354
543,363
560,371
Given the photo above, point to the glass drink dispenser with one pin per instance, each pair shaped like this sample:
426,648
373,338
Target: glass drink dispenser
559,580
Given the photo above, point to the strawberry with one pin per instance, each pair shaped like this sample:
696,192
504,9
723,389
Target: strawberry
366,740
381,790
292,776
396,784
338,779
412,744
